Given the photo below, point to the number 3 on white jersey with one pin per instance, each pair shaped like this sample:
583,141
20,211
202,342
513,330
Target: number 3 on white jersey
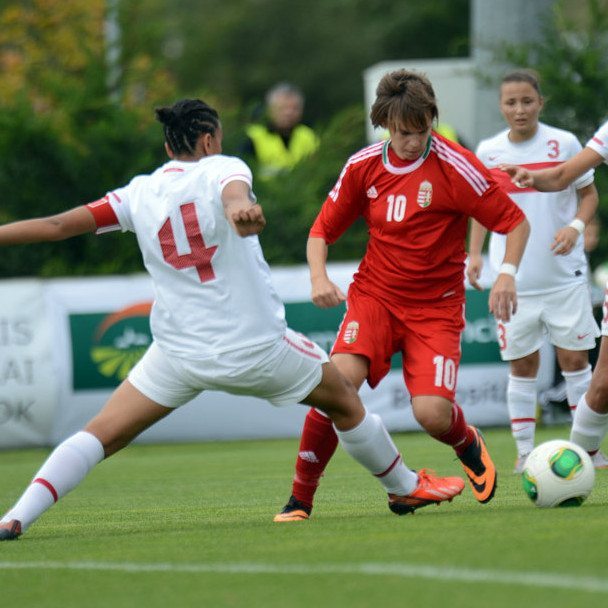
445,372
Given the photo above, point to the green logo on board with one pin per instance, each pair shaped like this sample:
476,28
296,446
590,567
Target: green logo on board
106,346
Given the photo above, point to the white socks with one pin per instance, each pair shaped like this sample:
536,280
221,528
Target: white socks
588,427
521,402
64,469
577,384
370,445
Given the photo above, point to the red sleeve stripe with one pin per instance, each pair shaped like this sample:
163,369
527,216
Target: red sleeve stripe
105,217
471,174
597,140
243,177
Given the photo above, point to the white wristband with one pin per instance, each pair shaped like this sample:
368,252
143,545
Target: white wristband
509,269
578,225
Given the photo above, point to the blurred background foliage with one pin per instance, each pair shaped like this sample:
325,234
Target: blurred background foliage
75,123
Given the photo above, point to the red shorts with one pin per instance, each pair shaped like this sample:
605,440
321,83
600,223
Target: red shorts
427,337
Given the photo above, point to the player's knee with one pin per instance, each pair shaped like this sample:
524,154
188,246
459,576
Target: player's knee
336,393
574,361
433,420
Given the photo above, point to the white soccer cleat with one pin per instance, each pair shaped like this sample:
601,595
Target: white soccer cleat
599,460
520,463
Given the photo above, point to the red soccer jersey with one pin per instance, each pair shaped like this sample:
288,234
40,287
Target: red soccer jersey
417,214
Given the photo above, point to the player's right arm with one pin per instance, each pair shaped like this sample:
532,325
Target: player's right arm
324,292
340,210
245,216
53,228
477,236
558,177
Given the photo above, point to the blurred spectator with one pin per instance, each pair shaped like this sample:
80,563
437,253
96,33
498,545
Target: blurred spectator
448,131
281,140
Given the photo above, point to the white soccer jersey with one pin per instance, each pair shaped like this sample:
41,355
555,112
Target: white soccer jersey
540,271
213,290
599,142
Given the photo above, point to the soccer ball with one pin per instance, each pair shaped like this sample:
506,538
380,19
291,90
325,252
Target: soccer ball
558,473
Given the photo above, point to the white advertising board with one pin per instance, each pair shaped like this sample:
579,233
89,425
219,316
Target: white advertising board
28,379
98,328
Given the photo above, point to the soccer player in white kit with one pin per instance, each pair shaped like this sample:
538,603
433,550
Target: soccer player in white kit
552,278
590,424
217,321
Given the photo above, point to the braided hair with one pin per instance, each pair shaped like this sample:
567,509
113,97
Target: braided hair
185,121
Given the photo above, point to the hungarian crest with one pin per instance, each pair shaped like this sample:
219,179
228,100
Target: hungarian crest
351,332
425,194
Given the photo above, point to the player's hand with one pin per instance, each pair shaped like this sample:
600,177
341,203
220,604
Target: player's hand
249,221
521,177
503,298
565,240
474,266
326,294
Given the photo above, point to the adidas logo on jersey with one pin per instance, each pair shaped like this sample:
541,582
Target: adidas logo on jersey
308,456
372,192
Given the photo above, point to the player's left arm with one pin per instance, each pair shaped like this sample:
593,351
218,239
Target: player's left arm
53,228
245,216
566,237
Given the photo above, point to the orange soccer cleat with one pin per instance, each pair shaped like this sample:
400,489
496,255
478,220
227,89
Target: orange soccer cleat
479,468
294,510
430,490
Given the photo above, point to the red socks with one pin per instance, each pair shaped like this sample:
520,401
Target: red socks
317,445
459,435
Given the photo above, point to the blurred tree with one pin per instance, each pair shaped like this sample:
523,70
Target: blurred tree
243,47
53,56
63,140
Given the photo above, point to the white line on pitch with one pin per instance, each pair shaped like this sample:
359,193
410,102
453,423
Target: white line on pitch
502,577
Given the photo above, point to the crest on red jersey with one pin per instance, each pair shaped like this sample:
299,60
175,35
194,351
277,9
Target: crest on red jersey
351,332
425,194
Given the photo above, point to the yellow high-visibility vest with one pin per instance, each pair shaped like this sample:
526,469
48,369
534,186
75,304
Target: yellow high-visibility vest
443,128
272,154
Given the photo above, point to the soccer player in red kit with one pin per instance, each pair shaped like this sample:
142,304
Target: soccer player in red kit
416,192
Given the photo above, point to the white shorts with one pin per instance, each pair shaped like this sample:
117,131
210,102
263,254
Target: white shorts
282,372
566,316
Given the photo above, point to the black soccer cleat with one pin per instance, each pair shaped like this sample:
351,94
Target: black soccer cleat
294,510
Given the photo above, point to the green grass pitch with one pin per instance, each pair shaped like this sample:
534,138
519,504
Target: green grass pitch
191,525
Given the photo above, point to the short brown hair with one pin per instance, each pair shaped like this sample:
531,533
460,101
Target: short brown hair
404,97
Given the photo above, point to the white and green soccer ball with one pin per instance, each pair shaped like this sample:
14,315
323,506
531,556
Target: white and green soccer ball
558,473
